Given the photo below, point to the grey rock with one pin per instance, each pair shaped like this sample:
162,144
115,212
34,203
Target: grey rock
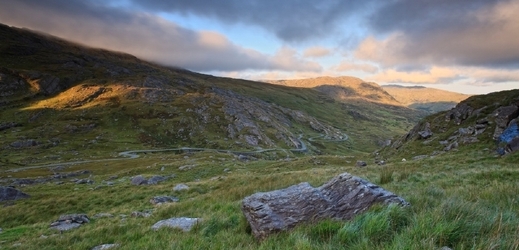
180,187
84,181
342,198
503,115
361,164
186,167
466,131
24,144
156,179
451,146
139,180
69,221
183,223
103,215
420,157
11,194
158,200
144,214
106,246
513,145
468,140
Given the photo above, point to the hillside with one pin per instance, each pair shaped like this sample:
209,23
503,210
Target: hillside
484,123
430,100
344,88
63,101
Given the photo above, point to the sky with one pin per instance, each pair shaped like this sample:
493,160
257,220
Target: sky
466,46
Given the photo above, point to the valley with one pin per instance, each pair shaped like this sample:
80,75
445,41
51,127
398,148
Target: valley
111,145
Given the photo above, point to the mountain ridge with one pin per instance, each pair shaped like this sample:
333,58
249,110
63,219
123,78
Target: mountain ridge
56,92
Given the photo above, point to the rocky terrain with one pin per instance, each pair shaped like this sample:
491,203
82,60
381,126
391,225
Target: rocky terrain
487,121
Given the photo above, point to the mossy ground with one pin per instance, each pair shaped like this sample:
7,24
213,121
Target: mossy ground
456,201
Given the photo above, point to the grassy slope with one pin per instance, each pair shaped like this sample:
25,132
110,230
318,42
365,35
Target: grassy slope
457,201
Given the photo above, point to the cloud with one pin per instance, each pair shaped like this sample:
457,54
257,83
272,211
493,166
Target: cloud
433,75
316,51
349,66
144,35
470,33
288,59
289,20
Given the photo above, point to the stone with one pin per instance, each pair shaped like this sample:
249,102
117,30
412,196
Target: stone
503,115
512,146
11,194
144,214
180,187
426,133
156,179
466,131
139,180
186,167
419,157
69,221
24,144
183,223
361,164
342,198
84,181
451,146
158,200
106,246
102,215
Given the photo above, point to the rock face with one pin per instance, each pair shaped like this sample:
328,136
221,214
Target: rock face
11,194
342,198
182,223
69,221
475,120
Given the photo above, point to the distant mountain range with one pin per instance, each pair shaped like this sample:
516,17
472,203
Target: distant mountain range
428,99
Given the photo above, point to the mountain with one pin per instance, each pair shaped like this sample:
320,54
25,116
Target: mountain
430,100
344,88
64,101
480,123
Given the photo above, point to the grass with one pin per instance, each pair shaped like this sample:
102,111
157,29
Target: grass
463,205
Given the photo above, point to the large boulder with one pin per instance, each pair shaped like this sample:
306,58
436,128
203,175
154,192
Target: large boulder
342,198
11,194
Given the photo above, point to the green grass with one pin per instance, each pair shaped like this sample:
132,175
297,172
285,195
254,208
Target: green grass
456,203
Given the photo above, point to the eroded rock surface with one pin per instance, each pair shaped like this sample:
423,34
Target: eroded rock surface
11,194
342,198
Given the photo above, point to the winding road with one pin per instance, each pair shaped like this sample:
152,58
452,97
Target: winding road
133,154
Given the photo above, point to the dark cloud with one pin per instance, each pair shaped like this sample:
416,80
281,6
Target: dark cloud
290,20
144,35
449,32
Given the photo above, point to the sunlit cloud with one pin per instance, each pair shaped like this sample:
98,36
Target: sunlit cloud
316,51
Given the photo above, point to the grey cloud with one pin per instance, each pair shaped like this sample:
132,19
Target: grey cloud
141,34
450,32
289,20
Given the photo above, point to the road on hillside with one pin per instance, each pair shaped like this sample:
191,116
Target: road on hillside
133,154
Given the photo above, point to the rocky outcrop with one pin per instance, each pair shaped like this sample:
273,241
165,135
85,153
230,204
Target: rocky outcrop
342,198
11,194
474,120
69,221
182,223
